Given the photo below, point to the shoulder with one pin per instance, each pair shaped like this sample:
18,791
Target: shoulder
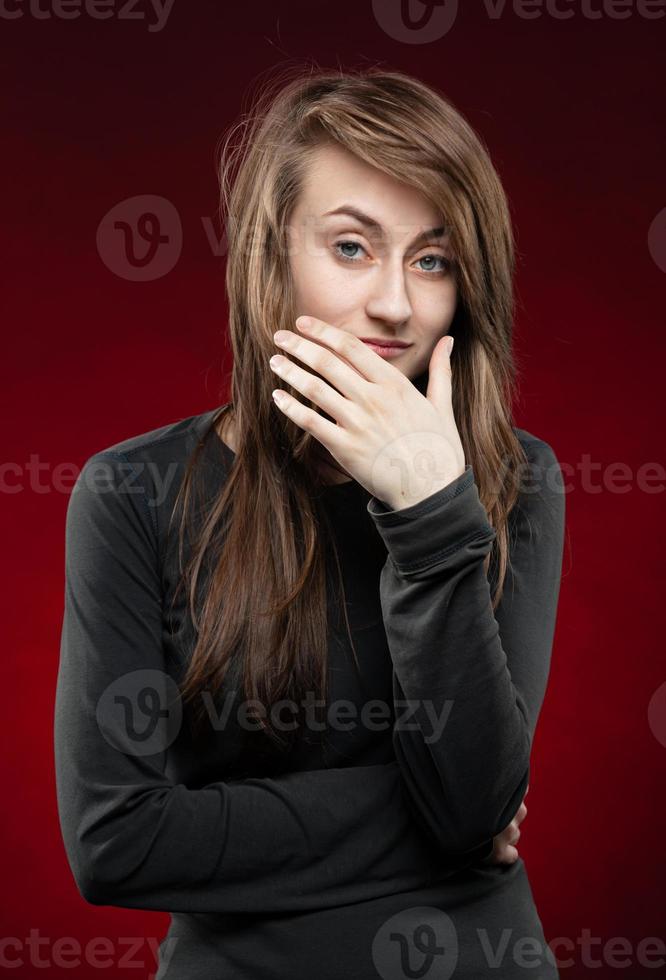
172,439
539,452
543,475
139,476
541,500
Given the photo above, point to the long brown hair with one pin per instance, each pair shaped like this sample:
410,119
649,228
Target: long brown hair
265,538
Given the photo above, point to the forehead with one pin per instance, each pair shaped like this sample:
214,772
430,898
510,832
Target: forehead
335,176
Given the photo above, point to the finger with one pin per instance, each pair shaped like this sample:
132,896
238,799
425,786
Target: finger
510,834
519,817
509,855
326,363
369,364
503,854
328,433
440,374
314,389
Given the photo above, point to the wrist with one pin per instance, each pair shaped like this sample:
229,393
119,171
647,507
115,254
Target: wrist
414,496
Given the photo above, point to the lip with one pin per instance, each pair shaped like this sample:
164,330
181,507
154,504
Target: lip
384,350
379,342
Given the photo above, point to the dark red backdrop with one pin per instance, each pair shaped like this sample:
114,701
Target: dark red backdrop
572,110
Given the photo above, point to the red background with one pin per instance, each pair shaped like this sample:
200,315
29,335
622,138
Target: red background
572,111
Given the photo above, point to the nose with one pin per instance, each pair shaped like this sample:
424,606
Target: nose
388,300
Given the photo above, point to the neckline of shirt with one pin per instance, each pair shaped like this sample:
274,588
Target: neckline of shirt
346,487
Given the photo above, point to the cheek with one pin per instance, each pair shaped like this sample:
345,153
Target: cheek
436,309
321,286
433,315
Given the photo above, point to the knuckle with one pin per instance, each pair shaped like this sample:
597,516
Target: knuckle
316,388
347,344
323,360
374,397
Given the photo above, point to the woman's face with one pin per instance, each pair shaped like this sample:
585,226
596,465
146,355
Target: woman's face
392,280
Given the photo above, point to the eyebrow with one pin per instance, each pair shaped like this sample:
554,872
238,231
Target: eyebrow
374,225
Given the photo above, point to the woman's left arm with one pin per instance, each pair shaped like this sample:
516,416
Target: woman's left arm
472,678
469,682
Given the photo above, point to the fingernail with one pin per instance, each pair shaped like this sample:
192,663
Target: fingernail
449,345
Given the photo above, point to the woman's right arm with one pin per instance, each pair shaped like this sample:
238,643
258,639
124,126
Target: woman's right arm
302,841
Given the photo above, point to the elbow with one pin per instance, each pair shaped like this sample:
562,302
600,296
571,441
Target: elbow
97,890
85,868
492,815
99,878
459,841
106,857
467,845
91,889
465,835
462,848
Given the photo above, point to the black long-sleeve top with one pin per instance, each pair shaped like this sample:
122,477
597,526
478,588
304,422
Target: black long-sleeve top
363,855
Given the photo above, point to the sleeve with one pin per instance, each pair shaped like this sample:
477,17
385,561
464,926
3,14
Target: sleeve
133,839
469,682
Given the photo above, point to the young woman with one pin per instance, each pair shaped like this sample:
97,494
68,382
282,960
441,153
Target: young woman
306,641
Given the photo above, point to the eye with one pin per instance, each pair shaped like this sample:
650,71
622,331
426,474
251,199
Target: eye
348,243
446,264
343,244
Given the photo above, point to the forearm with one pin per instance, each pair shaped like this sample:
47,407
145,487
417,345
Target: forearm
304,841
474,678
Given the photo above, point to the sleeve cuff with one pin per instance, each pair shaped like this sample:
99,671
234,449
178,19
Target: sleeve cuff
427,532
